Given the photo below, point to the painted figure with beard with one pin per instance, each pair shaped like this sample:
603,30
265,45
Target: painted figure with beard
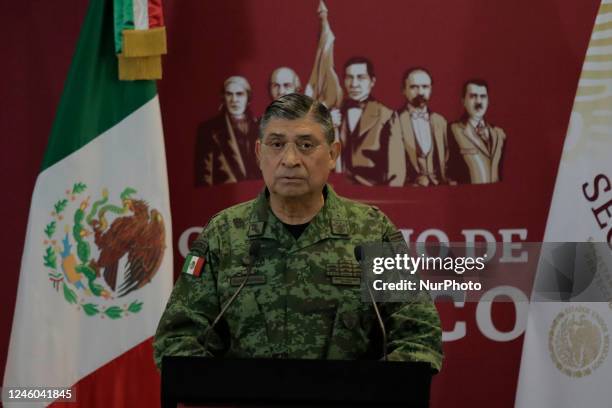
225,144
479,142
361,120
418,136
284,81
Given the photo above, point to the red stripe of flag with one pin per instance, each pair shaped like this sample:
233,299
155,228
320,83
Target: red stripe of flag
198,268
156,14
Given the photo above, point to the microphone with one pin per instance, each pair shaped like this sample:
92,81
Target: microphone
247,261
358,252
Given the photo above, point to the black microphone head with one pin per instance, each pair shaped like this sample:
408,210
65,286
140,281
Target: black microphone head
255,248
358,253
253,253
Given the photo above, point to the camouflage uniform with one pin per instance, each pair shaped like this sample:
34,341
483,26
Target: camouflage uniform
299,302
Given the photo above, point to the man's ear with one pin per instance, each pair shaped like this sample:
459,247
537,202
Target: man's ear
334,153
258,151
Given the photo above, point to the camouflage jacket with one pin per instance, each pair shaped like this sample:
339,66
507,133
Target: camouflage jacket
292,306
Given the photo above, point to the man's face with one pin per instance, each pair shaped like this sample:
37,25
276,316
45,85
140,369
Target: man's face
417,89
236,98
282,82
476,101
358,82
289,173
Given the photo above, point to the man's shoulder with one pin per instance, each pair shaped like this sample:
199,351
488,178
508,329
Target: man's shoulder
213,124
236,215
458,126
356,209
368,223
499,131
437,118
385,112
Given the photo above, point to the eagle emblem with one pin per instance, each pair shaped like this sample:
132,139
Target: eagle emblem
97,251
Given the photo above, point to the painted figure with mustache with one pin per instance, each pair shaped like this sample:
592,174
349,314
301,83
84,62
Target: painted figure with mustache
479,142
418,144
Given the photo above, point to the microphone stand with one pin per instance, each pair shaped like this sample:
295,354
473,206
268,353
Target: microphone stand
247,261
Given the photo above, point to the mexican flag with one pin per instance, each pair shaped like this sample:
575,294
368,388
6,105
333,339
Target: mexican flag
566,358
97,263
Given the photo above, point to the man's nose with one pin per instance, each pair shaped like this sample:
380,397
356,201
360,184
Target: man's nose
290,157
354,83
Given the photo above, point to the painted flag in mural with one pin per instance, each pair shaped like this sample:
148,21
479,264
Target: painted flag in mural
324,85
566,358
96,270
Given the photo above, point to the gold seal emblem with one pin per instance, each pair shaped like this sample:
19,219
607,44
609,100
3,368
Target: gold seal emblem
578,341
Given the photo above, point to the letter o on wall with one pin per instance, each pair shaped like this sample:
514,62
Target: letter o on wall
484,320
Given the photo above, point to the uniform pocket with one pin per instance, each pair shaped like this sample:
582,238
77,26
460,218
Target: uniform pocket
245,318
350,334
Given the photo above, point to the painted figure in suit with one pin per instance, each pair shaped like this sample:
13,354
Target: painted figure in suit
361,119
225,144
283,81
418,151
479,142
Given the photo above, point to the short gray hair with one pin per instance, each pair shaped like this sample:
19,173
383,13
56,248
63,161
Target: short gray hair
297,106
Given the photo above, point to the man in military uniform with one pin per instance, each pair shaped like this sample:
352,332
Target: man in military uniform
479,142
293,304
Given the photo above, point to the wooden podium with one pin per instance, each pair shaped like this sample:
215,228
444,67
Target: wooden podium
223,382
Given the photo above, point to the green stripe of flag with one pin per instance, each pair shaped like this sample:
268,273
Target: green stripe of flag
187,263
94,100
123,11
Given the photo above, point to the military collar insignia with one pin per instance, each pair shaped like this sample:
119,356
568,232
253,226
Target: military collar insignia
330,222
256,228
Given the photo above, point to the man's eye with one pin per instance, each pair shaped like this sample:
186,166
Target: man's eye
306,146
277,145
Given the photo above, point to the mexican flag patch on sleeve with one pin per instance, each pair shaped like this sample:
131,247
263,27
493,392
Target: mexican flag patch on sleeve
193,265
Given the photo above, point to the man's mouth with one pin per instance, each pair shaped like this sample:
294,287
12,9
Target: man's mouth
291,178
